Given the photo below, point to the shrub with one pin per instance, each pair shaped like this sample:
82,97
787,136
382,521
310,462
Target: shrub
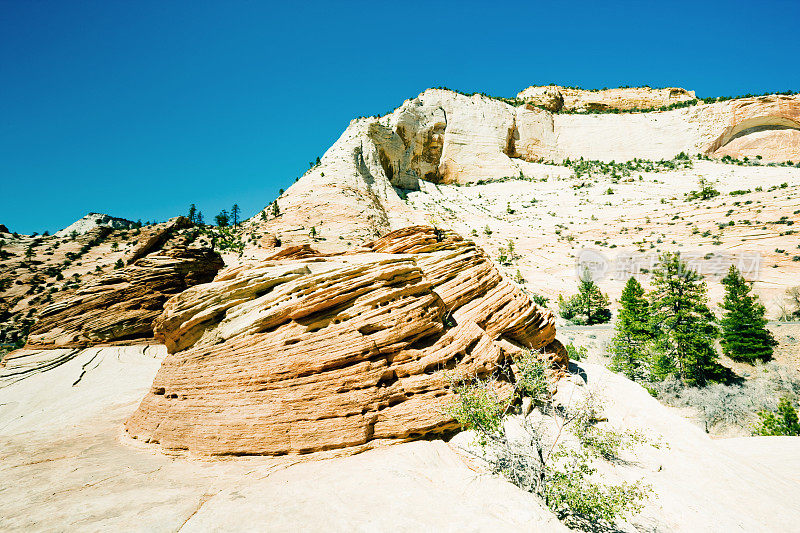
576,353
782,422
542,459
540,300
706,191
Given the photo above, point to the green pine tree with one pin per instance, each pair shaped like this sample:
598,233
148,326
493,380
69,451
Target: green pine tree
591,302
685,326
633,332
744,333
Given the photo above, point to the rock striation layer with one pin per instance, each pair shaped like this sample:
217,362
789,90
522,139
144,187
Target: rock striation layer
557,98
348,351
122,305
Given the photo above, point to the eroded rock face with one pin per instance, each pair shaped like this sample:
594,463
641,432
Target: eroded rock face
122,305
555,98
153,238
441,136
333,352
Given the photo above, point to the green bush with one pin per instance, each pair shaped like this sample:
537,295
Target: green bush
559,469
783,422
576,353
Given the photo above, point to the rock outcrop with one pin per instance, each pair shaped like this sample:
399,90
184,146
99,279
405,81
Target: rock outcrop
344,351
122,305
93,221
356,192
4,229
556,98
154,237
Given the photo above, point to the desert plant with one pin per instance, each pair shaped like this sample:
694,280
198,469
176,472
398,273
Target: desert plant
706,191
576,353
222,219
589,306
556,461
782,422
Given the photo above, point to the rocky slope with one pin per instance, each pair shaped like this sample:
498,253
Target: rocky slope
122,305
298,355
65,464
441,136
39,271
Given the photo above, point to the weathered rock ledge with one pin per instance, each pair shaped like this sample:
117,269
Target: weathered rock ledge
305,354
122,305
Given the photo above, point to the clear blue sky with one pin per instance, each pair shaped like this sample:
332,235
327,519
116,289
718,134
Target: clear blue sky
137,109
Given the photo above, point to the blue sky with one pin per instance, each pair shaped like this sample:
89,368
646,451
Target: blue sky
138,109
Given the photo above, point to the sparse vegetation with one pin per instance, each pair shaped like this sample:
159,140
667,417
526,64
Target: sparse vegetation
589,306
553,456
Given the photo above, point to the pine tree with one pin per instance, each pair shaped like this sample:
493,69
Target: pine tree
633,332
200,221
591,302
275,209
222,219
744,333
192,213
684,324
235,214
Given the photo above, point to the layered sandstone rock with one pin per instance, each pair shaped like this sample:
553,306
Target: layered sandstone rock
153,237
340,351
556,98
122,305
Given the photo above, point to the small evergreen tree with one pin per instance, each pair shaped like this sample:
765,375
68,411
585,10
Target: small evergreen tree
192,213
633,332
591,302
235,211
684,324
744,333
222,219
275,209
200,221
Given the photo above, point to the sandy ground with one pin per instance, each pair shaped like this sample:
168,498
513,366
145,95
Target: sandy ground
66,464
553,215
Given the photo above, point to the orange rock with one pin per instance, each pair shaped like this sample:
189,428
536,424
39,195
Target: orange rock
122,305
333,352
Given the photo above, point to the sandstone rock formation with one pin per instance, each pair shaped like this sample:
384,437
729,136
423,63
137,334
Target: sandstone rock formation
92,221
441,136
556,98
4,229
154,237
328,352
122,305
